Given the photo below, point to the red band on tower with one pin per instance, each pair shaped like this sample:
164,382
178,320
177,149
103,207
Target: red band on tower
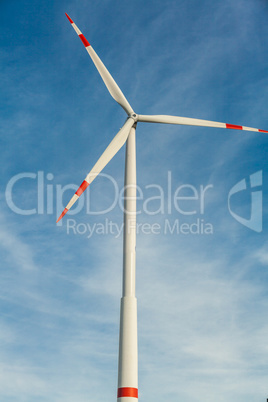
127,392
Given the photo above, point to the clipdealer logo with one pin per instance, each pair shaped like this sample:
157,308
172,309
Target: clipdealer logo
255,221
153,199
186,200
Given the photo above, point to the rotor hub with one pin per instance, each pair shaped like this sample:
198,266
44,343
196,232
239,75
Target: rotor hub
134,116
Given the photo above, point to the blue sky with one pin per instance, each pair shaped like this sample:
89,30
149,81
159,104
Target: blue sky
202,298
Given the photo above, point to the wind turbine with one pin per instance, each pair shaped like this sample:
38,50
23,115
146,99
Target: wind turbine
128,351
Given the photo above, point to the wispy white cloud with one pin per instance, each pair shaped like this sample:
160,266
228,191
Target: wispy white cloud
262,255
14,249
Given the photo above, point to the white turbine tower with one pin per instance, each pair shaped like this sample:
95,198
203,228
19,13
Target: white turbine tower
128,351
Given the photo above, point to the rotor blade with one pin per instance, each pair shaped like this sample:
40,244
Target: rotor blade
107,155
110,83
193,122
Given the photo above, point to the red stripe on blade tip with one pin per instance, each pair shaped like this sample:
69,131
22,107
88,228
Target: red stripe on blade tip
263,131
62,214
234,127
84,40
71,21
82,188
127,392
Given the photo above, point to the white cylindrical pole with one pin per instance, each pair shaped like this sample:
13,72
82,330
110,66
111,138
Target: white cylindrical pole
128,339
